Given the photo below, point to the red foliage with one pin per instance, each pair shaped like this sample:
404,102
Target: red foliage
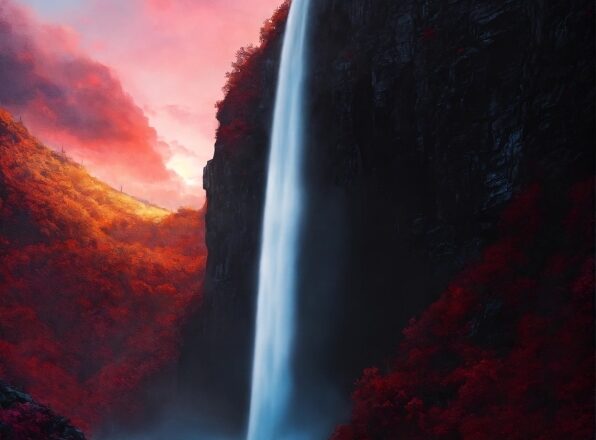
94,284
245,56
244,84
508,349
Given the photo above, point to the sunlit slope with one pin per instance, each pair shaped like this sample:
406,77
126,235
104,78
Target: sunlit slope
51,177
94,284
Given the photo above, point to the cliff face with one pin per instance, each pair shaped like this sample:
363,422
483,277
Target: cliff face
425,118
216,361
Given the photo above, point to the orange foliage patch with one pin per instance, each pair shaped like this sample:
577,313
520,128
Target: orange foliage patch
94,284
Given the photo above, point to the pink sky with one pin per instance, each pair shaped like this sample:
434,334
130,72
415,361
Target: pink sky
171,57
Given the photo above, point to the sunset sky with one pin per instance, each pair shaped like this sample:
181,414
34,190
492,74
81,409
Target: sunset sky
126,87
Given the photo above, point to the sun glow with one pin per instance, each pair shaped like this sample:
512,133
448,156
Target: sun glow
187,167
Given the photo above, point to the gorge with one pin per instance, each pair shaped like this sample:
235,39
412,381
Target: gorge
398,242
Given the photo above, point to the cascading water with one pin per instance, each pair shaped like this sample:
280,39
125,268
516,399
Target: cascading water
271,376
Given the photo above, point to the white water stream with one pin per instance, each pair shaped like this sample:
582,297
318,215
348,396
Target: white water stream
275,321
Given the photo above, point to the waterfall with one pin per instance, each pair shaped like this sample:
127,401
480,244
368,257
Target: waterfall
275,321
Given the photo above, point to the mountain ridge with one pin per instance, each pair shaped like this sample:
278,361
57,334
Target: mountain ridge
95,285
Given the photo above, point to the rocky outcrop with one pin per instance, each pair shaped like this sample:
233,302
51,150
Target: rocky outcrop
21,418
425,118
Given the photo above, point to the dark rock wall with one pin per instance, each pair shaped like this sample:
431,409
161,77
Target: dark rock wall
425,118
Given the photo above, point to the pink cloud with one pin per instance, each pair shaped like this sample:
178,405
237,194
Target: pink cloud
173,55
72,101
148,118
